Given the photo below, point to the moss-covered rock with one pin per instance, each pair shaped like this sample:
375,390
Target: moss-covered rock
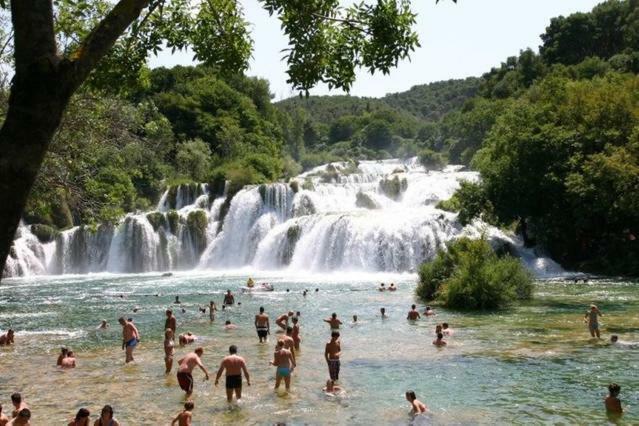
157,220
61,214
303,206
197,222
366,201
308,185
393,187
173,220
295,186
44,233
292,237
263,189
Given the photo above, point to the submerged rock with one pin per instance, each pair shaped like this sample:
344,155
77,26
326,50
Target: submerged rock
366,201
393,187
197,222
156,219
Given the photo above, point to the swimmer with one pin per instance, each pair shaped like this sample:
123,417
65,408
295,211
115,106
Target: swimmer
612,402
332,353
234,365
262,325
169,350
103,325
68,361
287,290
21,419
316,290
413,315
229,299
18,404
614,340
354,320
438,329
331,388
382,287
446,331
591,318
298,314
185,370
177,300
429,311
382,313
417,407
135,309
304,293
333,321
296,333
201,309
81,419
392,287
7,338
183,310
229,326
106,417
212,310
289,343
439,341
285,362
186,338
171,321
184,418
130,338
63,355
282,320
3,418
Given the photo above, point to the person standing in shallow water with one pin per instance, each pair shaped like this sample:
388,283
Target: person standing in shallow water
332,353
234,365
212,310
185,370
106,417
295,334
417,407
413,315
333,321
592,319
171,321
262,325
285,362
130,338
612,402
169,349
229,299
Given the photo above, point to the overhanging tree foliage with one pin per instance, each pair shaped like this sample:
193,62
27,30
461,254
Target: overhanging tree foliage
59,44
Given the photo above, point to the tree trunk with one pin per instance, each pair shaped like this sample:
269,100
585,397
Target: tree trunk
36,105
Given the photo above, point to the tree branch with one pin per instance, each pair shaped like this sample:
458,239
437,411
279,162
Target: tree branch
102,38
354,23
34,37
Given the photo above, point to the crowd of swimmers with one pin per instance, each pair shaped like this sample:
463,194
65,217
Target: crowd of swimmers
234,366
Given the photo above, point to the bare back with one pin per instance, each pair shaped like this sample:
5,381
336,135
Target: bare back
234,364
189,362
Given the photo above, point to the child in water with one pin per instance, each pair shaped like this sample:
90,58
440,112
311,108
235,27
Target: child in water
184,418
613,404
417,407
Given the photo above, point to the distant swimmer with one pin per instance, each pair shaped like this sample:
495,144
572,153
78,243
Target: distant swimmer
228,325
446,330
316,290
185,370
392,287
167,274
63,354
130,337
285,363
169,349
332,353
331,388
250,283
417,407
18,404
282,320
612,402
201,309
382,287
296,333
135,309
171,321
103,325
592,319
440,340
333,321
81,418
262,325
106,417
229,299
185,417
382,313
354,320
429,311
177,300
234,365
186,338
413,315
212,310
7,338
69,361
614,340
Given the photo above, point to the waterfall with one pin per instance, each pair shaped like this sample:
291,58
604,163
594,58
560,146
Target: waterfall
366,216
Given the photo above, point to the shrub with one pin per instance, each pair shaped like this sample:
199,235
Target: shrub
470,275
431,160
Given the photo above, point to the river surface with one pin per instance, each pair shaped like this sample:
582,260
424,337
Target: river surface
533,364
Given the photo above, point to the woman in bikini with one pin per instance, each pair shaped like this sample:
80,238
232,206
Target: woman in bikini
169,349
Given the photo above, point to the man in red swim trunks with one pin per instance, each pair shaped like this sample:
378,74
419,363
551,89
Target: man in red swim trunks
185,370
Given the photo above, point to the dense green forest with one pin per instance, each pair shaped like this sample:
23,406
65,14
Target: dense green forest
554,134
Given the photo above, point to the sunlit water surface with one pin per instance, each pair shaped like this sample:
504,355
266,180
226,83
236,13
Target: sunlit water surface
533,364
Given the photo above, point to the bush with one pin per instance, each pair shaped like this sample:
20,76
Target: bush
470,275
431,160
470,202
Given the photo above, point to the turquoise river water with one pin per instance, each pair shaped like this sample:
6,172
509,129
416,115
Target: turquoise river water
533,364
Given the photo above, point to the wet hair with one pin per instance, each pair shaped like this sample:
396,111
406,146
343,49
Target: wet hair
291,313
64,350
440,336
25,413
614,338
121,319
228,322
335,334
382,309
317,289
232,349
199,349
614,389
83,413
295,320
16,398
289,330
298,313
355,317
444,325
70,354
189,405
334,315
411,395
169,311
428,308
261,309
413,306
107,409
438,327
130,319
228,291
287,290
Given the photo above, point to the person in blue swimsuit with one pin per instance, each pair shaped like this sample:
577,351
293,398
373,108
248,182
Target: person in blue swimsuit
285,363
